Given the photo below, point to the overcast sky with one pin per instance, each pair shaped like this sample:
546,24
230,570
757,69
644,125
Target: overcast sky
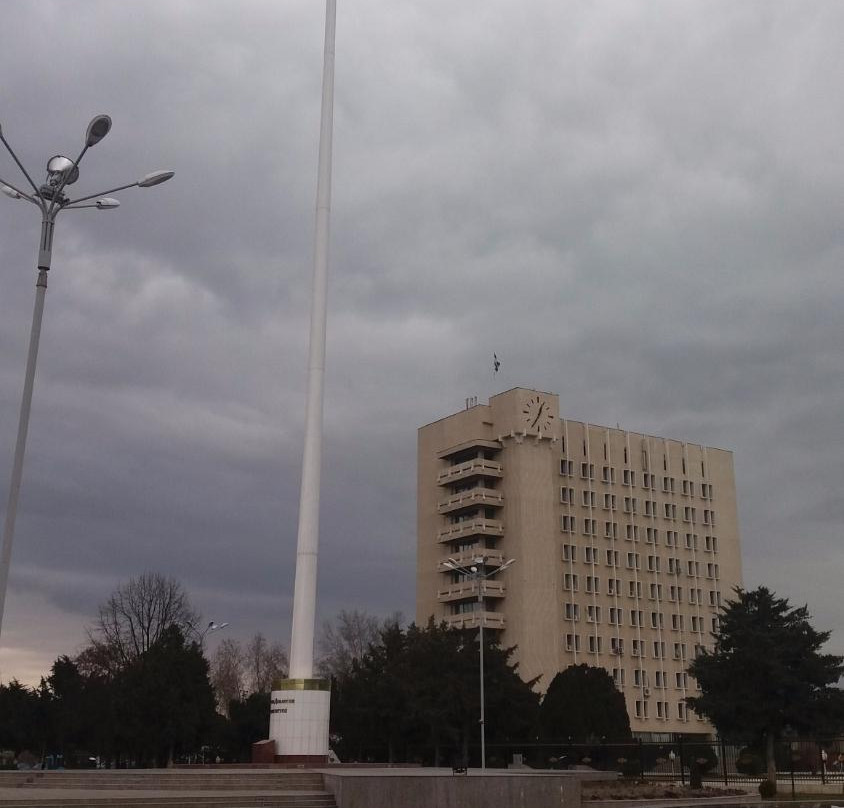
635,204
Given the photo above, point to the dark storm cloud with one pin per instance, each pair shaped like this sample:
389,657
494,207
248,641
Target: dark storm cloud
636,205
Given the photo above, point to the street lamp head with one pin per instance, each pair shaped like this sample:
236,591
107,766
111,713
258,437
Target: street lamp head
155,178
107,203
10,192
58,168
507,564
473,568
99,127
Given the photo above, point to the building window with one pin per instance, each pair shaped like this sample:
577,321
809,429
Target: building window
587,471
593,614
590,555
616,645
612,558
572,611
670,538
567,495
570,582
679,650
635,617
681,710
680,680
677,622
567,468
634,589
611,530
609,502
588,499
608,475
657,620
568,524
613,586
616,615
572,642
589,527
632,532
570,552
653,563
595,644
659,650
593,584
628,477
652,535
633,561
630,505
618,677
638,648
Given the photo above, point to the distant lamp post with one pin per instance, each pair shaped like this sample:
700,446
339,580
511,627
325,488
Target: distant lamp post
51,200
476,573
210,629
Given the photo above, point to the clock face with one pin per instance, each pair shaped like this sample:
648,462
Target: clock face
536,415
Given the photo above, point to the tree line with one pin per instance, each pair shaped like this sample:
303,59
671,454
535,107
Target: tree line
143,693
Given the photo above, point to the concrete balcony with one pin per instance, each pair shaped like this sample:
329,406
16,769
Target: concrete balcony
477,497
494,620
469,589
477,467
465,558
477,443
469,528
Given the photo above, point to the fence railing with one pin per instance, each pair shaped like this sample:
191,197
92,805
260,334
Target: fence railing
718,761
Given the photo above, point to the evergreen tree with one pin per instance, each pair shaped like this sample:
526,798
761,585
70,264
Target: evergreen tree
583,704
766,672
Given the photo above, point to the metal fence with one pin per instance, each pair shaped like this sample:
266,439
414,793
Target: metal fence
719,761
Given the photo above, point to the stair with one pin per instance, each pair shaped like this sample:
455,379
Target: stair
167,788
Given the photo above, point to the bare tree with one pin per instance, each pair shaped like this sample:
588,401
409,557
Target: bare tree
264,663
135,616
228,674
347,639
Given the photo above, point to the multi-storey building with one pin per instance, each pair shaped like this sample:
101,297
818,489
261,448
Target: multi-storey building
624,544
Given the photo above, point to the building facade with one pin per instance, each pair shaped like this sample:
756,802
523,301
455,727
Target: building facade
624,544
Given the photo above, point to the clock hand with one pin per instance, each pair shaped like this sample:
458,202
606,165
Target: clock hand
542,407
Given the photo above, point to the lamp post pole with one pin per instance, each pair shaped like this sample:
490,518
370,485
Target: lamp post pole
476,573
51,201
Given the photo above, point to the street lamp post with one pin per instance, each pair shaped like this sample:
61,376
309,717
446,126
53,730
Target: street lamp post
210,629
51,200
476,573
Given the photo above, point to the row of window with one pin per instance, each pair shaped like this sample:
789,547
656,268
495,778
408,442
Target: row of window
650,482
663,710
631,505
645,460
674,566
670,593
595,645
637,618
568,524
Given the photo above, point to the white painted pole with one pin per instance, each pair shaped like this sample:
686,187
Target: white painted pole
44,258
304,595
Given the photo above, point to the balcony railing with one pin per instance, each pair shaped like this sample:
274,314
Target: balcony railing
477,467
465,558
481,497
469,589
493,620
471,527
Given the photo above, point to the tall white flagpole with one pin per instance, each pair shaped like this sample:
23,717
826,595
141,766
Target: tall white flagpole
300,705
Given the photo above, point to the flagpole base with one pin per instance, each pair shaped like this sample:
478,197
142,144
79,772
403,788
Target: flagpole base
299,713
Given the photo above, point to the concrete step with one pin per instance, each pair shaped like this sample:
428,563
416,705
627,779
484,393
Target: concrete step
319,800
164,780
